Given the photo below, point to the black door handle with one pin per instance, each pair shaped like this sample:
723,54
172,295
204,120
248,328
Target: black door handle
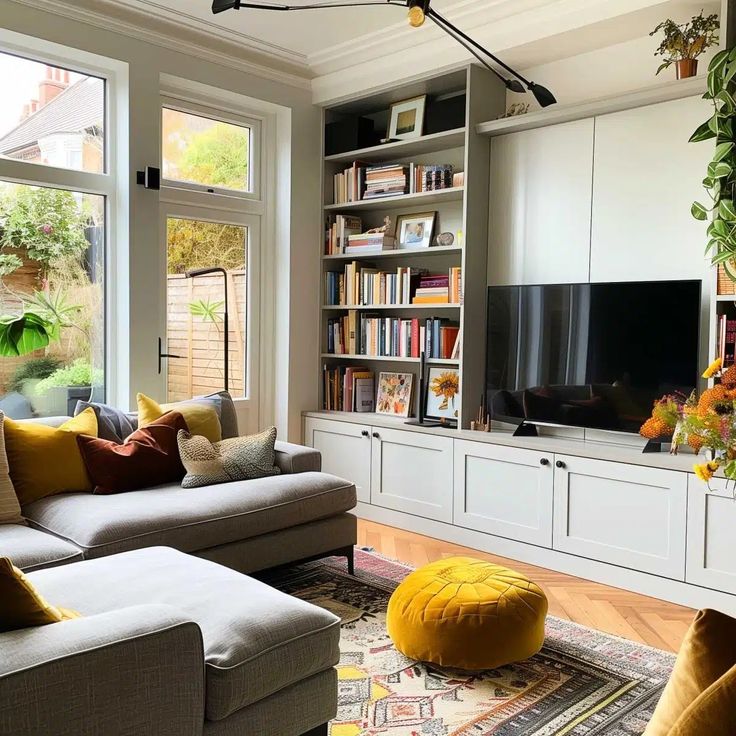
161,356
560,464
376,436
544,461
366,433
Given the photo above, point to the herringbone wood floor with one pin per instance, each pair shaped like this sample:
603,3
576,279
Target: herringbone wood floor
601,607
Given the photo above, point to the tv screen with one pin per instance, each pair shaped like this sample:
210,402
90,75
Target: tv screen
590,355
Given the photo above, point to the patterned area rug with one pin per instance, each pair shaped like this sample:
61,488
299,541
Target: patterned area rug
582,682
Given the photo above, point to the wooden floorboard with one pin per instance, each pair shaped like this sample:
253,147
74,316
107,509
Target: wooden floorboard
615,611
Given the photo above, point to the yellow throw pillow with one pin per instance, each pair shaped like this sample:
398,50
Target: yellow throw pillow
46,460
707,653
21,605
9,504
200,419
713,713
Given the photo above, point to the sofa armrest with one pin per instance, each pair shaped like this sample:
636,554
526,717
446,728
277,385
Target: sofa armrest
137,670
297,458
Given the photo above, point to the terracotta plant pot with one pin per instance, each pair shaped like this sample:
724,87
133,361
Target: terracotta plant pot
686,68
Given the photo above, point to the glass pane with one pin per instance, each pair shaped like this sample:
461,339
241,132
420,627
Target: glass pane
52,316
203,151
196,307
51,115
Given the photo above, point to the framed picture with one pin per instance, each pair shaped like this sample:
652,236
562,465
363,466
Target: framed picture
394,394
407,118
443,393
416,231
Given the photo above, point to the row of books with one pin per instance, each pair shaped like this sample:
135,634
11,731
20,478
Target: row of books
337,230
392,337
363,287
726,339
348,389
361,181
439,289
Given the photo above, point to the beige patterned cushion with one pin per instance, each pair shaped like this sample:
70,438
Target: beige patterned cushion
238,458
9,506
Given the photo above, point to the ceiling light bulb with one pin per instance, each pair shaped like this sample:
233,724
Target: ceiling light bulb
416,16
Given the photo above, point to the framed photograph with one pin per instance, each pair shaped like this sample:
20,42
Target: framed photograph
416,231
394,394
407,118
443,393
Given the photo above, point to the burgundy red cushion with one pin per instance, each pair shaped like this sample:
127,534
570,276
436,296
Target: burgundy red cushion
148,457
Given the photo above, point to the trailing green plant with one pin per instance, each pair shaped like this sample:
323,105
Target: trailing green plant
78,373
33,369
686,40
720,181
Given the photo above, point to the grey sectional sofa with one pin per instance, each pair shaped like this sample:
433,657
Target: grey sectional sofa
169,643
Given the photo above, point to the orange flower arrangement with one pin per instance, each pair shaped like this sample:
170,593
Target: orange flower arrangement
705,422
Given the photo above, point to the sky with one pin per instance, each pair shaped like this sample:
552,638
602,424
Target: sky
20,85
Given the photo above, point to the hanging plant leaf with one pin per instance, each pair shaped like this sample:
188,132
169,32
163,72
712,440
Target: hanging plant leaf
722,151
706,131
721,170
727,210
699,212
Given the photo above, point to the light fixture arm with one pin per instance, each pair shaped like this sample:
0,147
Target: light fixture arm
237,5
451,31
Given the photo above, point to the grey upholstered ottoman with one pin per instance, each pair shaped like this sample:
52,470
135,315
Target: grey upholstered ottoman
268,657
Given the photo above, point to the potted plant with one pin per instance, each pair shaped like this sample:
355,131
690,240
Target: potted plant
683,43
60,392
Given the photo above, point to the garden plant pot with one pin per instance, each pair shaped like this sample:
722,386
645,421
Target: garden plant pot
686,68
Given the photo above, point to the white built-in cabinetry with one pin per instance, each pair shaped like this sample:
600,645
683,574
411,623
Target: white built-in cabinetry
600,511
605,198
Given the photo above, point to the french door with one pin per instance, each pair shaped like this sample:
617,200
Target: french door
211,297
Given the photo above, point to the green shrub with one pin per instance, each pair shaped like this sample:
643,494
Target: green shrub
31,369
78,373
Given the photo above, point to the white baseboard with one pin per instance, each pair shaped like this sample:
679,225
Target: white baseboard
654,586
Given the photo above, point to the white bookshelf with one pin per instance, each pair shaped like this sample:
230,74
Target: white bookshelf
459,209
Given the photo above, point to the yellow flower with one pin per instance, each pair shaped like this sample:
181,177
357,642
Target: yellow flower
705,471
713,368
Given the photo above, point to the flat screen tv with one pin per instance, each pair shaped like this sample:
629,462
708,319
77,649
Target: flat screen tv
590,355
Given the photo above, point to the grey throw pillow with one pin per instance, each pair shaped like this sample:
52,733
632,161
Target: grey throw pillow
237,458
112,423
226,412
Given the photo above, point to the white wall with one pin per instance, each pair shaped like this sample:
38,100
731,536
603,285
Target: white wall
295,245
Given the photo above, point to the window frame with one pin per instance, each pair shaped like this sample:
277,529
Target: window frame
220,115
111,184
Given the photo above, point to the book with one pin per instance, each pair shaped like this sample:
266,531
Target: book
364,393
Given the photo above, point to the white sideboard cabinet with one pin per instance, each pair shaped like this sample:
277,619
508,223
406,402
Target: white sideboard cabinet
600,511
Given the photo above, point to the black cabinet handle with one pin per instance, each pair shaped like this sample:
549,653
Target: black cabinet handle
366,433
560,464
376,436
544,461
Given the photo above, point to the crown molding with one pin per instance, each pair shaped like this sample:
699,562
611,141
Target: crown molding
147,21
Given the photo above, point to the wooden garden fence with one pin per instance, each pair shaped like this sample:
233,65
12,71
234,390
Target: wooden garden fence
199,341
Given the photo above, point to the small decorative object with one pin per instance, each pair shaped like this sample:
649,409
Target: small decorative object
705,423
518,108
415,231
443,393
720,178
394,394
460,238
482,421
683,43
444,239
383,229
407,119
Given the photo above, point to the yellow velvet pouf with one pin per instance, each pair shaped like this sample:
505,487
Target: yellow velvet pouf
468,614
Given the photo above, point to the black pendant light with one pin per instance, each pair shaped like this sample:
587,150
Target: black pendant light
419,11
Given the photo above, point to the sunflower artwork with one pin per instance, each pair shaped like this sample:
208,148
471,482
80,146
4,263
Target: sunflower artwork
706,423
443,394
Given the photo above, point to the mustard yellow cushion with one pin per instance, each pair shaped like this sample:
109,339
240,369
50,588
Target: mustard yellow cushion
45,460
713,712
707,653
199,418
467,613
21,605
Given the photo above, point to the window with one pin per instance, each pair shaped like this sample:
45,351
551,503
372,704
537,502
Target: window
211,220
55,186
196,307
51,115
204,151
